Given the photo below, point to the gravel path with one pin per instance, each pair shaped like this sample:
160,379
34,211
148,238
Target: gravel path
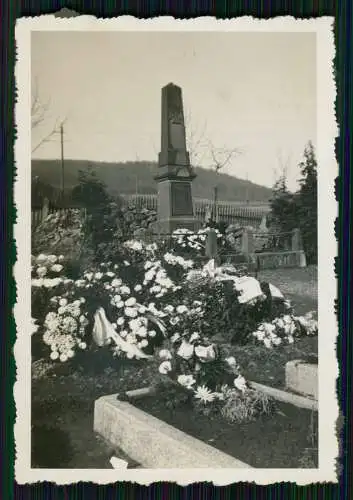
299,281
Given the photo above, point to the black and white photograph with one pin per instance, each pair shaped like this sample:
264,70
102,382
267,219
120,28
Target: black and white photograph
175,237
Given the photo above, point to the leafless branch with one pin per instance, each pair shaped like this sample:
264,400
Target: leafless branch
54,132
221,157
39,113
195,139
284,164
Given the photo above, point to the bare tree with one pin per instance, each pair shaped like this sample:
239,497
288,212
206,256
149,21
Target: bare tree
220,158
196,144
39,113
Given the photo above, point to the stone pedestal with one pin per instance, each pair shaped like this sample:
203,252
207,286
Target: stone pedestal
175,174
247,242
297,244
302,378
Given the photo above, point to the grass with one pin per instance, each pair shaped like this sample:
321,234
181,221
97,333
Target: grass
63,399
62,413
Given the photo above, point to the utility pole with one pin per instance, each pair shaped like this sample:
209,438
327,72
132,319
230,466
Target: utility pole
247,189
62,160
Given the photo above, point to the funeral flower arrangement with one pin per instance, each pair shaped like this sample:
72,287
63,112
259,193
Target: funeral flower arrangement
151,296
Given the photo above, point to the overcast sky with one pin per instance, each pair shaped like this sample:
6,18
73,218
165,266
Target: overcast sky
251,91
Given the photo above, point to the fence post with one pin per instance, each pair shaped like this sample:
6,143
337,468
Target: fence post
296,240
45,209
211,250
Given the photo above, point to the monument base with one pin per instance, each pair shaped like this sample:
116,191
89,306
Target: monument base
168,226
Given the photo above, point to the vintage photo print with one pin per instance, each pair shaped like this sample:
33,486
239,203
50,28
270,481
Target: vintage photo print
175,251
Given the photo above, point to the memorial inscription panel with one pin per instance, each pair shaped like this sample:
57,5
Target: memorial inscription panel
181,199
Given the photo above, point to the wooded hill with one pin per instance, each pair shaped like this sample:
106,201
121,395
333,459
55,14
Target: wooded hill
129,177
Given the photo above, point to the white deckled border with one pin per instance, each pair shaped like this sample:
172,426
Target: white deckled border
328,371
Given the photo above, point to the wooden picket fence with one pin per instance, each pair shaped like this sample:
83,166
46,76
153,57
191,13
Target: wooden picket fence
229,212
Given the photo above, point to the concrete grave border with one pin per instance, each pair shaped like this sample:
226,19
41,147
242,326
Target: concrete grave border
154,444
150,441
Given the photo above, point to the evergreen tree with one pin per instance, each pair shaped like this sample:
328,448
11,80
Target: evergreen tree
283,206
307,203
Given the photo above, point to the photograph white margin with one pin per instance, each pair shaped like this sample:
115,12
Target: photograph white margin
327,130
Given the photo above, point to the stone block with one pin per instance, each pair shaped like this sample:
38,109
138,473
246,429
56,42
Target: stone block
302,378
153,443
277,260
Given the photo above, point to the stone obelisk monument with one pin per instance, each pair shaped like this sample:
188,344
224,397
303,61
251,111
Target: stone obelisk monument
175,174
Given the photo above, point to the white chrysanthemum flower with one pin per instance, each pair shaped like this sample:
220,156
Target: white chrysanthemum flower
165,354
205,353
182,309
131,338
165,367
120,304
231,361
152,333
142,331
80,283
240,383
62,310
76,312
175,337
130,302
56,268
125,290
98,276
37,282
174,321
63,302
116,283
204,394
134,324
186,381
267,343
110,274
144,343
120,321
142,309
82,345
131,312
63,358
186,350
54,355
41,271
138,288
41,258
